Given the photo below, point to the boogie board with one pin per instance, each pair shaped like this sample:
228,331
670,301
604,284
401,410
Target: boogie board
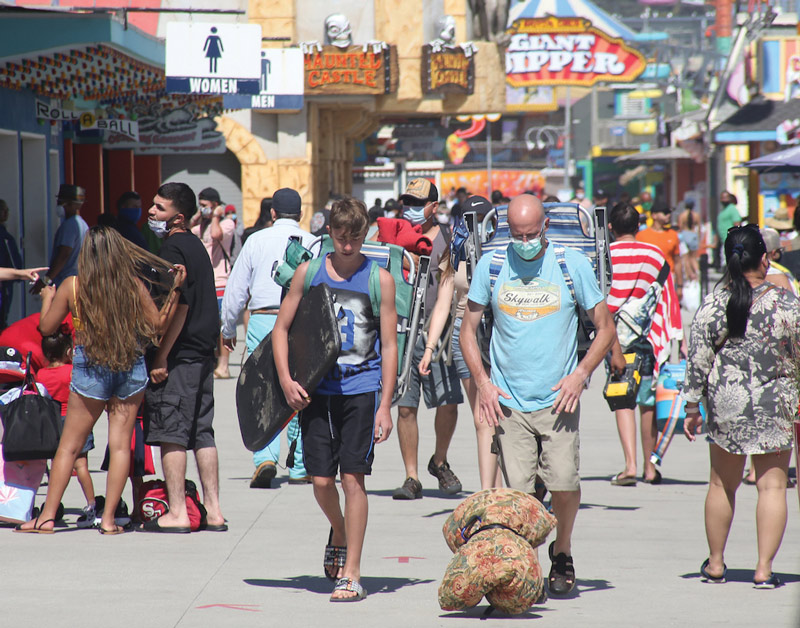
314,344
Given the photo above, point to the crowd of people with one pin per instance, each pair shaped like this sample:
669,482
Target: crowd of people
135,333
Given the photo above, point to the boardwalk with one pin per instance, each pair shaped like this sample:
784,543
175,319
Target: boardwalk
637,551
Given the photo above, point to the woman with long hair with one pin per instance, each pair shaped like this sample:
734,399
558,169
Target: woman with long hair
742,357
453,289
115,319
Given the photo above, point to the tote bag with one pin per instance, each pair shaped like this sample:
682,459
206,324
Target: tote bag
31,423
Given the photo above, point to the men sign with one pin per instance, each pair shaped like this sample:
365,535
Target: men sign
567,51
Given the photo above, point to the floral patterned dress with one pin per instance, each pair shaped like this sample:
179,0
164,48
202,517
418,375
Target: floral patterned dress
750,382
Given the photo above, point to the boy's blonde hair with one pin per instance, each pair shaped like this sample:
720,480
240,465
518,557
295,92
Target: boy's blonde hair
350,214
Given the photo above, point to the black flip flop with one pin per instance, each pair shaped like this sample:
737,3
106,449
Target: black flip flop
334,558
37,527
215,527
153,526
706,577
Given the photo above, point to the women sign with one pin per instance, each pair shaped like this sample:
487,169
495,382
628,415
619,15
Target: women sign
567,51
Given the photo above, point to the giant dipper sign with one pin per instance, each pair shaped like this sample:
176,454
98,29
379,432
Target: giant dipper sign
567,51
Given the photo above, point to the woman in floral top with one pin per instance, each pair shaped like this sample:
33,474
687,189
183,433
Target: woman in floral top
740,356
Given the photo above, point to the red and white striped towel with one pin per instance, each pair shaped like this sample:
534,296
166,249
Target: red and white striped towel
635,266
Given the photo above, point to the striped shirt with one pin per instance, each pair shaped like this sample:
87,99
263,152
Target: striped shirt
635,266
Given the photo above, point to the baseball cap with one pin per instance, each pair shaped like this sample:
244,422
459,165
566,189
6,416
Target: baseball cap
600,193
661,208
420,192
286,201
69,192
209,194
477,204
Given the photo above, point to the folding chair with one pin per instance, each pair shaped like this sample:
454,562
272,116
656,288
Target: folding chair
589,236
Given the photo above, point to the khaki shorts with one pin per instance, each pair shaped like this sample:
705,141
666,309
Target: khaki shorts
560,443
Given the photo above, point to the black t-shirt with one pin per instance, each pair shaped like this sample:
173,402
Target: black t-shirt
198,338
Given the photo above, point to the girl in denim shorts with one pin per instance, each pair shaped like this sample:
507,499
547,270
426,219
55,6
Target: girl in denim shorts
115,318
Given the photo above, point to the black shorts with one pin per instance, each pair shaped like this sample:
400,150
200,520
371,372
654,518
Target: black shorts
180,410
338,433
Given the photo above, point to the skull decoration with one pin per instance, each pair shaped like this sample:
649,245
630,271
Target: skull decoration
446,36
338,31
446,29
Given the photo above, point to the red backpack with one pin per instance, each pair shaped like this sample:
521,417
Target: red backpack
153,503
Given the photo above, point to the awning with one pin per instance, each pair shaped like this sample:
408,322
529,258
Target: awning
571,8
669,153
76,56
757,121
783,161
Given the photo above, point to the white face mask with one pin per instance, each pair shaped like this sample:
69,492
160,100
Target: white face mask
414,215
442,219
206,211
158,227
60,212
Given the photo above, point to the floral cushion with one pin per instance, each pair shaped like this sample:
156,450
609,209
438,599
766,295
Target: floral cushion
499,562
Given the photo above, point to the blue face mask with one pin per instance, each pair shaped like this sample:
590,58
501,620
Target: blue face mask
131,214
528,250
414,215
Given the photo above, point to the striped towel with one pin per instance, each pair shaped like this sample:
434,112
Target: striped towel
635,265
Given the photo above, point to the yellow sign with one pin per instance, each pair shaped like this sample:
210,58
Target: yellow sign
88,120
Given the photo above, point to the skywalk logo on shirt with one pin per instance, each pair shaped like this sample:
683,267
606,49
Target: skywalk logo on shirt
529,300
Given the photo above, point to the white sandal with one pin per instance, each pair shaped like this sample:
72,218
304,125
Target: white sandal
353,586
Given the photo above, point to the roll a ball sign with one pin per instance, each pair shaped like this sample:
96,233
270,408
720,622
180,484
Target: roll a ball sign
567,51
351,70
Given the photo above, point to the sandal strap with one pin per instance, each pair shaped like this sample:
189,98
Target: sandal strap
335,555
349,585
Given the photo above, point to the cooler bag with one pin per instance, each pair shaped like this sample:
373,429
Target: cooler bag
670,407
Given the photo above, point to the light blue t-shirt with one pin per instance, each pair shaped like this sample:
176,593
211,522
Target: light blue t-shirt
70,233
534,338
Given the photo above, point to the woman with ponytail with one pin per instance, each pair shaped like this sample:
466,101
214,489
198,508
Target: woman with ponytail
742,358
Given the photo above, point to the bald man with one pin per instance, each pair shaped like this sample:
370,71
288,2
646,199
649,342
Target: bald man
536,380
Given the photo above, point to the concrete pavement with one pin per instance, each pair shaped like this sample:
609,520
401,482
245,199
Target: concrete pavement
637,550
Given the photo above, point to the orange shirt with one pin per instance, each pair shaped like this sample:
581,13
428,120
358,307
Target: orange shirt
666,240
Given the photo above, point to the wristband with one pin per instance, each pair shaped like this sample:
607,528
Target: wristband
47,281
432,348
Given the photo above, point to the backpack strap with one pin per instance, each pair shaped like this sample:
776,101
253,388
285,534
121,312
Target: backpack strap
375,288
374,282
313,268
495,266
562,262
